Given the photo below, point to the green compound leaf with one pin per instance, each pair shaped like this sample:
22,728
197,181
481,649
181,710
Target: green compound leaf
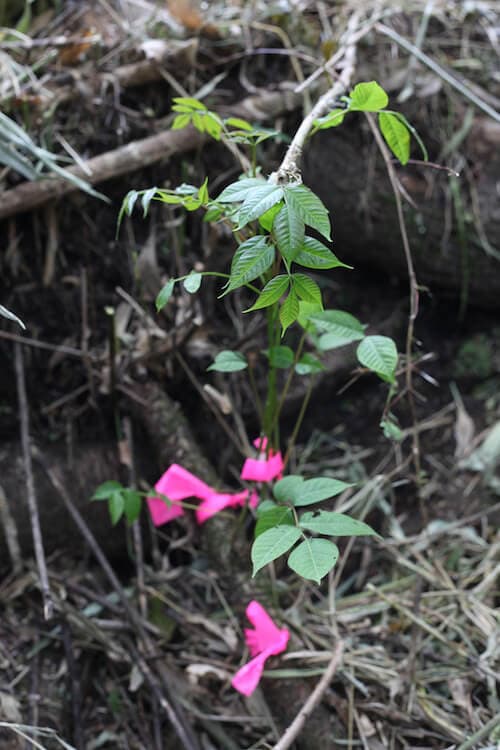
165,294
313,254
289,311
334,524
379,354
192,282
396,135
306,288
313,559
289,229
228,361
368,97
277,516
308,364
132,505
280,356
273,543
316,490
258,201
238,191
271,293
283,489
339,328
116,506
309,207
105,490
252,258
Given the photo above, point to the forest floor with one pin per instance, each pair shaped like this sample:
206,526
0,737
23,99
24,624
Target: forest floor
138,652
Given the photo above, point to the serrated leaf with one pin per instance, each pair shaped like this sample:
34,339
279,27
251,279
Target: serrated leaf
289,230
273,543
116,505
334,118
339,327
228,361
264,506
192,282
391,430
306,309
271,293
132,505
368,97
203,192
306,288
316,490
280,356
105,490
252,258
308,365
181,121
214,213
334,524
313,254
258,201
236,122
267,219
277,516
238,191
212,126
282,490
396,136
188,102
309,207
379,354
289,311
164,295
313,559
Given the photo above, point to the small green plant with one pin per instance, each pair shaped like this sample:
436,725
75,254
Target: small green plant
271,220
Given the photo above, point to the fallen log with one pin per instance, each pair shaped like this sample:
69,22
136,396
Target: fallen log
452,243
135,155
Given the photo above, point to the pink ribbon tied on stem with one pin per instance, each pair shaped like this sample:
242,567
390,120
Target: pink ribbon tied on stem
264,641
178,484
263,469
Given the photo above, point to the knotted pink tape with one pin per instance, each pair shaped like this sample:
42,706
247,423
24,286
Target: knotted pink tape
179,484
264,641
262,469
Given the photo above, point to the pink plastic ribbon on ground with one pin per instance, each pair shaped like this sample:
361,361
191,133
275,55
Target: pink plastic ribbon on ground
262,469
179,484
264,641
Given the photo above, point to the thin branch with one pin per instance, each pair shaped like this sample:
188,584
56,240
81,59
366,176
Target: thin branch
295,728
289,168
48,604
165,697
412,278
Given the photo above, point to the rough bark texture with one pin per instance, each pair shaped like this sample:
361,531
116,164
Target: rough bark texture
173,441
365,227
